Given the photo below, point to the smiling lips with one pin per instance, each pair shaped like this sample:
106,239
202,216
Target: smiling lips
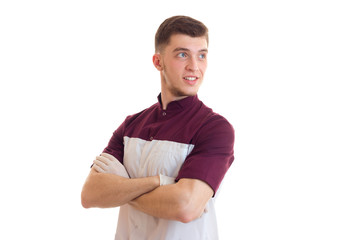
191,80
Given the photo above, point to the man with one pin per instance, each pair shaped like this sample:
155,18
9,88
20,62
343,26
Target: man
164,165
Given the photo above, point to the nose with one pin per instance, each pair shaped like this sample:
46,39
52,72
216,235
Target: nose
192,65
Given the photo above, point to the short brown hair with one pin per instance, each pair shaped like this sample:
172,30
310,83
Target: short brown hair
179,25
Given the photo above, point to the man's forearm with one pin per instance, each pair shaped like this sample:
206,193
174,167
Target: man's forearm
162,202
108,190
172,202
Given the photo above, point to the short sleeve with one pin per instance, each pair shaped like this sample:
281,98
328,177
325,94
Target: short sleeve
115,146
212,155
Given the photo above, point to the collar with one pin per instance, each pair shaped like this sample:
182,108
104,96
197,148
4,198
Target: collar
180,104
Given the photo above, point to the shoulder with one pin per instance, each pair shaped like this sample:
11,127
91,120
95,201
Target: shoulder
140,115
130,120
218,128
215,121
214,126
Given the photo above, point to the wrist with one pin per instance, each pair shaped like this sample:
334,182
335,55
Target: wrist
166,180
156,180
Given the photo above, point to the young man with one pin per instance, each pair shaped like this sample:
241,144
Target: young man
164,165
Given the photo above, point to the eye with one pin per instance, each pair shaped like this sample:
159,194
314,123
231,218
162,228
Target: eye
202,56
182,55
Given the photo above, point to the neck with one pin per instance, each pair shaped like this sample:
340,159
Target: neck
167,98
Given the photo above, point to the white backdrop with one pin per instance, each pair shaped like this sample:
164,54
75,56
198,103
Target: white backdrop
284,73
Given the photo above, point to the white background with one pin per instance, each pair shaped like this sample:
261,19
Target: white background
284,73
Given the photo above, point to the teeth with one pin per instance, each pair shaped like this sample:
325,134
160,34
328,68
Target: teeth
190,78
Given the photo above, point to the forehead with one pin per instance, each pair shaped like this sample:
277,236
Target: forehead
178,41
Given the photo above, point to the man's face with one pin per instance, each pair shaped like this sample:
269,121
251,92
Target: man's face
182,64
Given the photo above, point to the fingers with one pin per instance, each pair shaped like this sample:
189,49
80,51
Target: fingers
106,163
98,169
101,164
165,180
104,160
109,156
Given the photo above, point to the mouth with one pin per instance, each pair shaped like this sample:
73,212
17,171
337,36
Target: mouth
191,79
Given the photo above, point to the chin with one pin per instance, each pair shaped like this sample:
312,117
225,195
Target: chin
186,94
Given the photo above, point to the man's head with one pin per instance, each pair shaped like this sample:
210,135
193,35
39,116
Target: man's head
181,57
179,25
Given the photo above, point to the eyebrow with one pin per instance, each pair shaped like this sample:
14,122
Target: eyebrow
188,50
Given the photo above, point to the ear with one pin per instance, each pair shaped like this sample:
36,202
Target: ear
157,61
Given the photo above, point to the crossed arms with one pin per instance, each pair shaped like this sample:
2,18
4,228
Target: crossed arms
183,201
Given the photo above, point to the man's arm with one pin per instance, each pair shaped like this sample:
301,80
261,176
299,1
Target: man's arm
184,201
108,190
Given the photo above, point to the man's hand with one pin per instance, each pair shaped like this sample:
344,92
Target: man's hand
106,163
165,180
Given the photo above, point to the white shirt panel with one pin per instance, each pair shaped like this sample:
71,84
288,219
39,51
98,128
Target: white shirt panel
150,158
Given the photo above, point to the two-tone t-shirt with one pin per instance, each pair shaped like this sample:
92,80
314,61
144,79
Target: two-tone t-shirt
187,140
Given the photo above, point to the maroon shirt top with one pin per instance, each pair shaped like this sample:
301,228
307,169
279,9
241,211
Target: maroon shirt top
187,121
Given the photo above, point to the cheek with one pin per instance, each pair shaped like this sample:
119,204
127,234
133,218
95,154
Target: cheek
175,67
178,65
203,68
